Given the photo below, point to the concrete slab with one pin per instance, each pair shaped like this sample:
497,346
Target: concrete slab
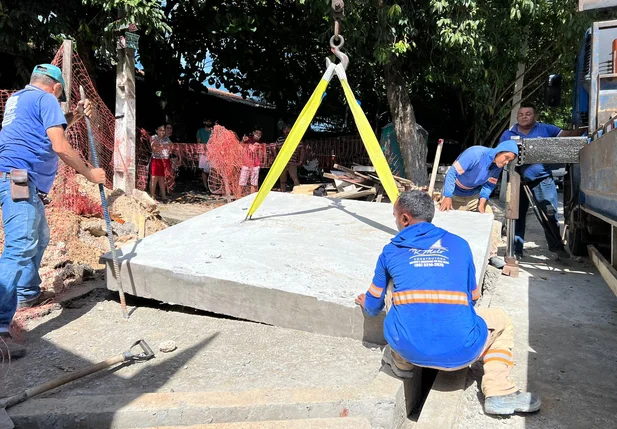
298,264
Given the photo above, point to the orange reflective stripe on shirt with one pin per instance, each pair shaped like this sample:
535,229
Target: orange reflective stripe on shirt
461,185
476,294
375,291
430,297
458,168
493,180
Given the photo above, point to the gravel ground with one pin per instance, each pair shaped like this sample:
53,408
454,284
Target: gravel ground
212,353
565,320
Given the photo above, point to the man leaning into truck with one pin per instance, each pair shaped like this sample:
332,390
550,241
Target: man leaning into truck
539,178
426,280
31,140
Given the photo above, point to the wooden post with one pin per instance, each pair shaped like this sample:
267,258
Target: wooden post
67,72
516,103
125,137
431,186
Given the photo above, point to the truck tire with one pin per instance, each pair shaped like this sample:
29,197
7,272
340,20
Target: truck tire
575,236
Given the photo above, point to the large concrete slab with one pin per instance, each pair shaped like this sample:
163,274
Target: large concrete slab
298,264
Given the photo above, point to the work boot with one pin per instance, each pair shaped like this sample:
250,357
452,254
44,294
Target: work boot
561,254
389,359
39,298
522,402
9,349
497,262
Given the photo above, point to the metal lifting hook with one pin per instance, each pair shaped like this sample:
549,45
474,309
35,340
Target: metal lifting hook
336,50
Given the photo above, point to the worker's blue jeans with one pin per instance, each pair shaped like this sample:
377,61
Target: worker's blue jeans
545,192
26,236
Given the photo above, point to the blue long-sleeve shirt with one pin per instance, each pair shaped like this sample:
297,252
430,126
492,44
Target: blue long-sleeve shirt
432,321
475,172
533,172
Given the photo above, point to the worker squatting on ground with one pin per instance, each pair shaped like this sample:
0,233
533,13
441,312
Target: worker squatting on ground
471,180
31,140
426,280
539,178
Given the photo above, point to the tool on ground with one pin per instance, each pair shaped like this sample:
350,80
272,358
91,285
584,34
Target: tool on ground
110,234
431,185
307,114
144,354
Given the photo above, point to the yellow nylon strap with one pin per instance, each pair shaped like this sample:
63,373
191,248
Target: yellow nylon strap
372,145
291,144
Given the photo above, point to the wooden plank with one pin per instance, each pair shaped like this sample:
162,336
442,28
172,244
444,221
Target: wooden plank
353,195
142,227
351,172
403,180
306,189
363,168
345,179
608,273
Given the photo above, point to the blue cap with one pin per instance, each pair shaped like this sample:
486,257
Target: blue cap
53,72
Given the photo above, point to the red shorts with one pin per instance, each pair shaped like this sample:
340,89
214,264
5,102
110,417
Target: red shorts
158,167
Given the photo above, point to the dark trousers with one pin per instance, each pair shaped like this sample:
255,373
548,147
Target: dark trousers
545,192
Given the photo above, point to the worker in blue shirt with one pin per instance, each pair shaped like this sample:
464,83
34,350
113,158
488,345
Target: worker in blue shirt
31,141
471,180
426,280
539,178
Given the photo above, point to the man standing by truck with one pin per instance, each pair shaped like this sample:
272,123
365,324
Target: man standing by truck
539,178
31,141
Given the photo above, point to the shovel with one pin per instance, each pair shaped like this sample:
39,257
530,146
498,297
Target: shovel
145,354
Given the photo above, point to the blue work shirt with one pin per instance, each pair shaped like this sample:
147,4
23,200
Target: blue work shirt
24,144
534,171
474,172
432,321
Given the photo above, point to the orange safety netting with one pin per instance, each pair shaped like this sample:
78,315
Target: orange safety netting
224,151
227,155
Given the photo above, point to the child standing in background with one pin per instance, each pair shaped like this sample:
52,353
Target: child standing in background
253,163
161,150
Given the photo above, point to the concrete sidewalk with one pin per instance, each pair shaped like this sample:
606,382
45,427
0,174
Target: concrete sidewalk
565,349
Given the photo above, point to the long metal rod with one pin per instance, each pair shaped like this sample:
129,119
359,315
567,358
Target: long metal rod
110,233
540,215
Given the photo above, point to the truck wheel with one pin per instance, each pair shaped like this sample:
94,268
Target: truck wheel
575,237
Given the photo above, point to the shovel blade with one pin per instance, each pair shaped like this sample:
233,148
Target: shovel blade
5,420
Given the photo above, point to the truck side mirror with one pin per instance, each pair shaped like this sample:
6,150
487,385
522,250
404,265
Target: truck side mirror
552,91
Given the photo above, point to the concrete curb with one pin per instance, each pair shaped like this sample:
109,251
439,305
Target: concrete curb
442,406
381,403
333,423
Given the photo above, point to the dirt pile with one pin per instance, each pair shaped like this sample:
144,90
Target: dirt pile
77,242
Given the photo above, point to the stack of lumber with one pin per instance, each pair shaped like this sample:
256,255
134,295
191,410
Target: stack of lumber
358,182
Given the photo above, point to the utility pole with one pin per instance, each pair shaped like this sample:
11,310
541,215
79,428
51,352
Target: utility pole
125,136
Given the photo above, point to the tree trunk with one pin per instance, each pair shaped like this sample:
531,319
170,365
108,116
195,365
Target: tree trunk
413,148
